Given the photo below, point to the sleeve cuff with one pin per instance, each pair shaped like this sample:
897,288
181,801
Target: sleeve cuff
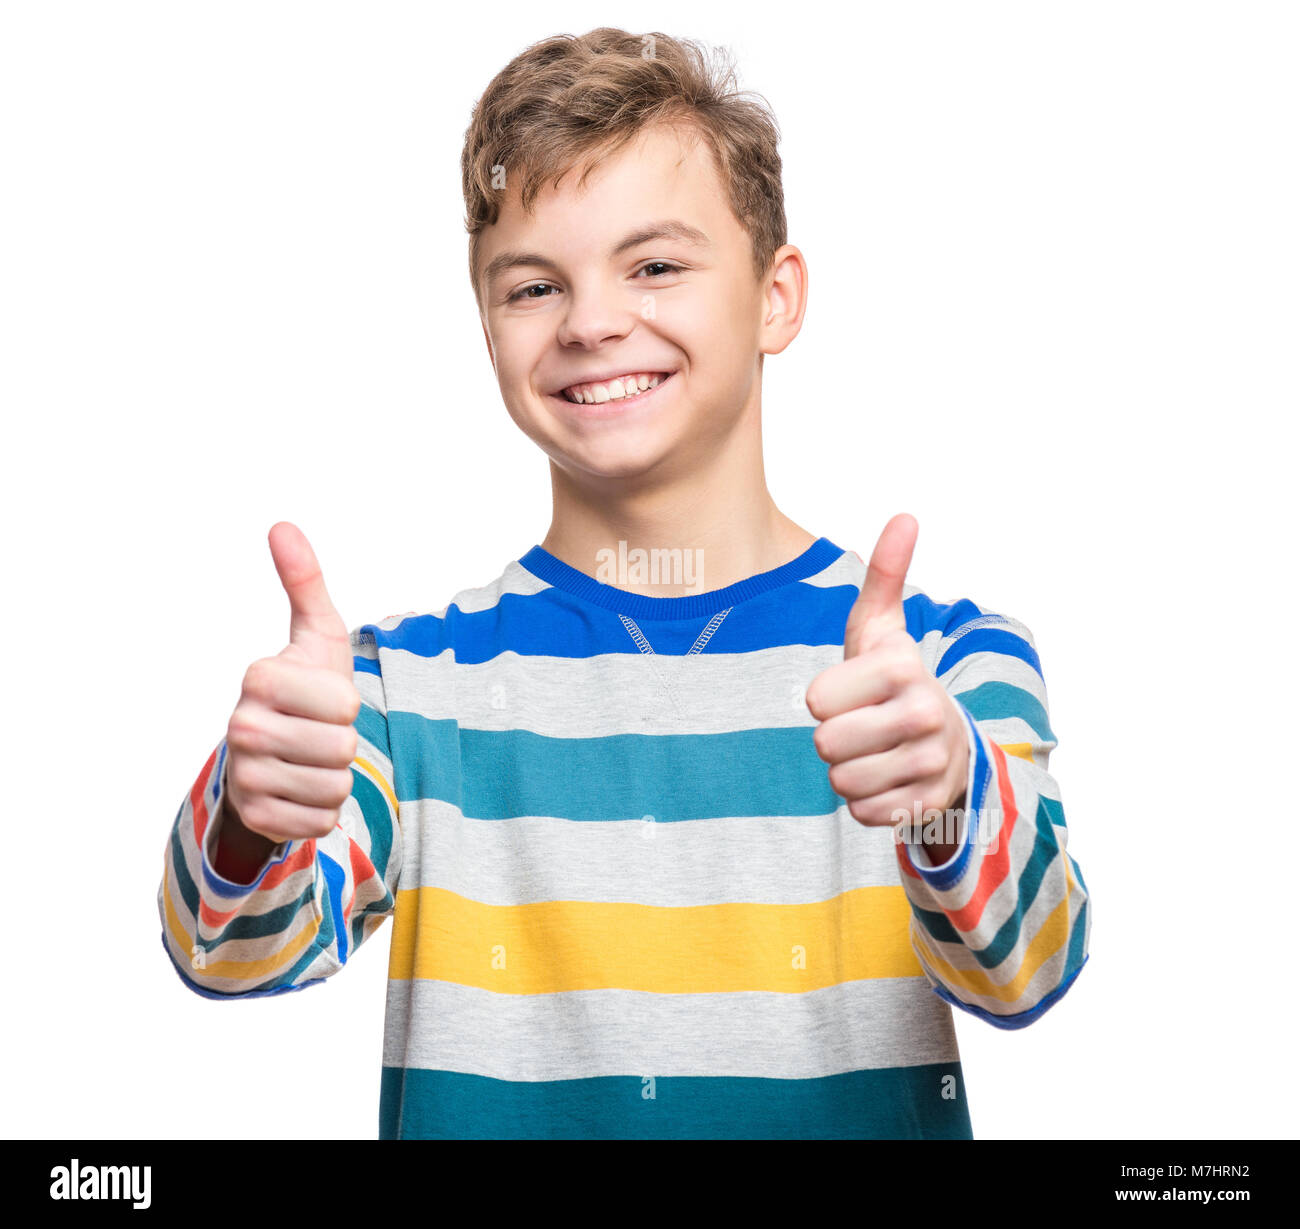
944,874
217,884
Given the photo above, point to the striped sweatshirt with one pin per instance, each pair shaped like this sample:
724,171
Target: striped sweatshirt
626,902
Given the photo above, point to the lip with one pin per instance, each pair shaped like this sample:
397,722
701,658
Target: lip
611,409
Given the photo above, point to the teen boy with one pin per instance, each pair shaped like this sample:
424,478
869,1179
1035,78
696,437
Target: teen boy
638,839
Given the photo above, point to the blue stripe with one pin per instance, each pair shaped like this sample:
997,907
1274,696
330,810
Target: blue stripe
554,623
334,881
1021,1019
219,886
943,877
542,564
922,1102
558,623
988,640
924,615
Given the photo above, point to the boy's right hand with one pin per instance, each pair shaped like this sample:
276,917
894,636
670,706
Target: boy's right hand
291,740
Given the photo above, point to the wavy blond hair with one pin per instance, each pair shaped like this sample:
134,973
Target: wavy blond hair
567,100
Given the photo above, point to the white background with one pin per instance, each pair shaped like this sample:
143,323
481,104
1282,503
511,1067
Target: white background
1053,313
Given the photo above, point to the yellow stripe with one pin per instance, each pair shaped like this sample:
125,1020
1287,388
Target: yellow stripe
378,778
239,970
1049,940
556,945
1024,750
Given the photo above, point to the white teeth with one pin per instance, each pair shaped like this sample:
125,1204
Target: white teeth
612,390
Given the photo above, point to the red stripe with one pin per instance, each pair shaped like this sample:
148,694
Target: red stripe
904,861
304,855
198,805
995,868
362,870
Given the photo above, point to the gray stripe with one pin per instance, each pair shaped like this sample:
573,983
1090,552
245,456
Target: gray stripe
766,859
858,1025
613,693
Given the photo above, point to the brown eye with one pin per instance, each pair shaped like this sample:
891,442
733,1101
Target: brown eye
662,264
524,291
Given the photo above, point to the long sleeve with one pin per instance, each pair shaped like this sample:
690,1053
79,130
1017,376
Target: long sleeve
314,901
1001,929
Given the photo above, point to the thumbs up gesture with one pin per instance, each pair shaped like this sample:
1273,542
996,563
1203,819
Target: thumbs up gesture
291,739
889,732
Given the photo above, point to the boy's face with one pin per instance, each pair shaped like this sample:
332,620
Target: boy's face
580,305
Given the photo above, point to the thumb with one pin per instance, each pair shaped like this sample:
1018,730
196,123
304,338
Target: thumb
879,607
316,629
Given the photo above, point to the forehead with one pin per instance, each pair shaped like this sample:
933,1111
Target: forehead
663,172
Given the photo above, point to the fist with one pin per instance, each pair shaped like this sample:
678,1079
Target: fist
291,737
890,733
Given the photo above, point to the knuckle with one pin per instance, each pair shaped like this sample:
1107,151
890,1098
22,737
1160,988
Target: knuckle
930,800
863,810
896,670
346,703
347,745
342,782
823,742
243,774
839,780
922,715
929,760
257,679
934,712
258,814
245,734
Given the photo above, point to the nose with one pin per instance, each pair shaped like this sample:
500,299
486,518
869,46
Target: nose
595,315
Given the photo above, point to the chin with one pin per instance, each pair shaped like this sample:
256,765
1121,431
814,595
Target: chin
619,459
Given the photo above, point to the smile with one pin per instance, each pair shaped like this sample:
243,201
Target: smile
622,388
615,408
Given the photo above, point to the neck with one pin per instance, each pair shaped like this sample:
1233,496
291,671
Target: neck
719,509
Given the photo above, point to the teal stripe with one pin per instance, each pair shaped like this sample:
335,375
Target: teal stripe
995,700
379,822
1054,810
500,774
373,727
378,818
1074,957
299,967
889,1103
261,925
1004,941
240,927
186,886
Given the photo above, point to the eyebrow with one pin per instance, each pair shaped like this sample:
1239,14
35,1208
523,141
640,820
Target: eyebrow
671,228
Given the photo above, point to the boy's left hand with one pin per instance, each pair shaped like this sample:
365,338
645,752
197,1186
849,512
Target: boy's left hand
888,730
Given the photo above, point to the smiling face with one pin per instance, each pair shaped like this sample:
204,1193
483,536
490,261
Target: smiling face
644,271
